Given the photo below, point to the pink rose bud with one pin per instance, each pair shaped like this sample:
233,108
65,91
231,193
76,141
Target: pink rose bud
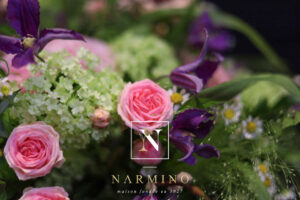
49,193
144,149
32,150
101,118
145,101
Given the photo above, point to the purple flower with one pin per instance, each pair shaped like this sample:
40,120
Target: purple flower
190,124
219,40
193,76
148,197
24,17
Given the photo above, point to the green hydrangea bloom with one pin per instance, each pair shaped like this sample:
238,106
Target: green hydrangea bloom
63,94
142,55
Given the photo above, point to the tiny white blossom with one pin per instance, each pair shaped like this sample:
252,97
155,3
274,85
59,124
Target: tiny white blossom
252,127
286,195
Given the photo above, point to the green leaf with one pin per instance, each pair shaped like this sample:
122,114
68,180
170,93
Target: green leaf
2,190
7,101
228,90
232,22
3,73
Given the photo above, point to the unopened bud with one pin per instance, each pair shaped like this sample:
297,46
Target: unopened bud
101,118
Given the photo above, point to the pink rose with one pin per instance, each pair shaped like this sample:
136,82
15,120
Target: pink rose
32,150
147,152
145,101
49,193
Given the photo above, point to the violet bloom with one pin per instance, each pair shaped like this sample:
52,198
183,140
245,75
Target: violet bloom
219,40
193,76
24,17
189,125
148,197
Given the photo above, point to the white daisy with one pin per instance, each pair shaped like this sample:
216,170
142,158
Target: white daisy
262,168
269,182
252,127
178,98
5,90
231,113
286,195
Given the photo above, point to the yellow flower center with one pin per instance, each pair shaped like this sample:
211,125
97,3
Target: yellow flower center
28,42
267,182
5,90
229,113
251,127
262,168
176,98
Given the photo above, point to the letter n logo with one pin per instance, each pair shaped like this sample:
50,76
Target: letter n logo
146,144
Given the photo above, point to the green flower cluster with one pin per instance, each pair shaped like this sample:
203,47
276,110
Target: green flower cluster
63,94
141,56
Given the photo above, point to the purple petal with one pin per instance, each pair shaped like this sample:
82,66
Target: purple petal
185,145
10,44
197,121
24,16
24,58
187,81
207,151
191,67
208,67
171,197
219,39
47,35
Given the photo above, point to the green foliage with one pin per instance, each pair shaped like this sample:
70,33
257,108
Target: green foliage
140,55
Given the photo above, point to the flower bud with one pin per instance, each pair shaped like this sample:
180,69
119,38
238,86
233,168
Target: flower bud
101,118
145,154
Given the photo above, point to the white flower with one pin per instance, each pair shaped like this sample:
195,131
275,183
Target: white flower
5,89
269,182
252,127
178,98
231,113
262,168
286,195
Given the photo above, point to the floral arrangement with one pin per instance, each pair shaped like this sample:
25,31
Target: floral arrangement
141,125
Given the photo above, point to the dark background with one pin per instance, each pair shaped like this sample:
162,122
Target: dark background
277,21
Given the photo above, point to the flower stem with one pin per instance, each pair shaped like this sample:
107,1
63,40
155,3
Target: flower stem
40,58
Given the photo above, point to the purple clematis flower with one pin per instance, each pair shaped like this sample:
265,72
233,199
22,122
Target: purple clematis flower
190,124
220,39
193,76
148,197
24,17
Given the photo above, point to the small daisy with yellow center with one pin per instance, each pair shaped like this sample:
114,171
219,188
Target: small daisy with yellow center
269,183
252,127
5,90
178,98
231,113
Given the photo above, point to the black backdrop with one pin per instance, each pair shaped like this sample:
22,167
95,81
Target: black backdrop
278,21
